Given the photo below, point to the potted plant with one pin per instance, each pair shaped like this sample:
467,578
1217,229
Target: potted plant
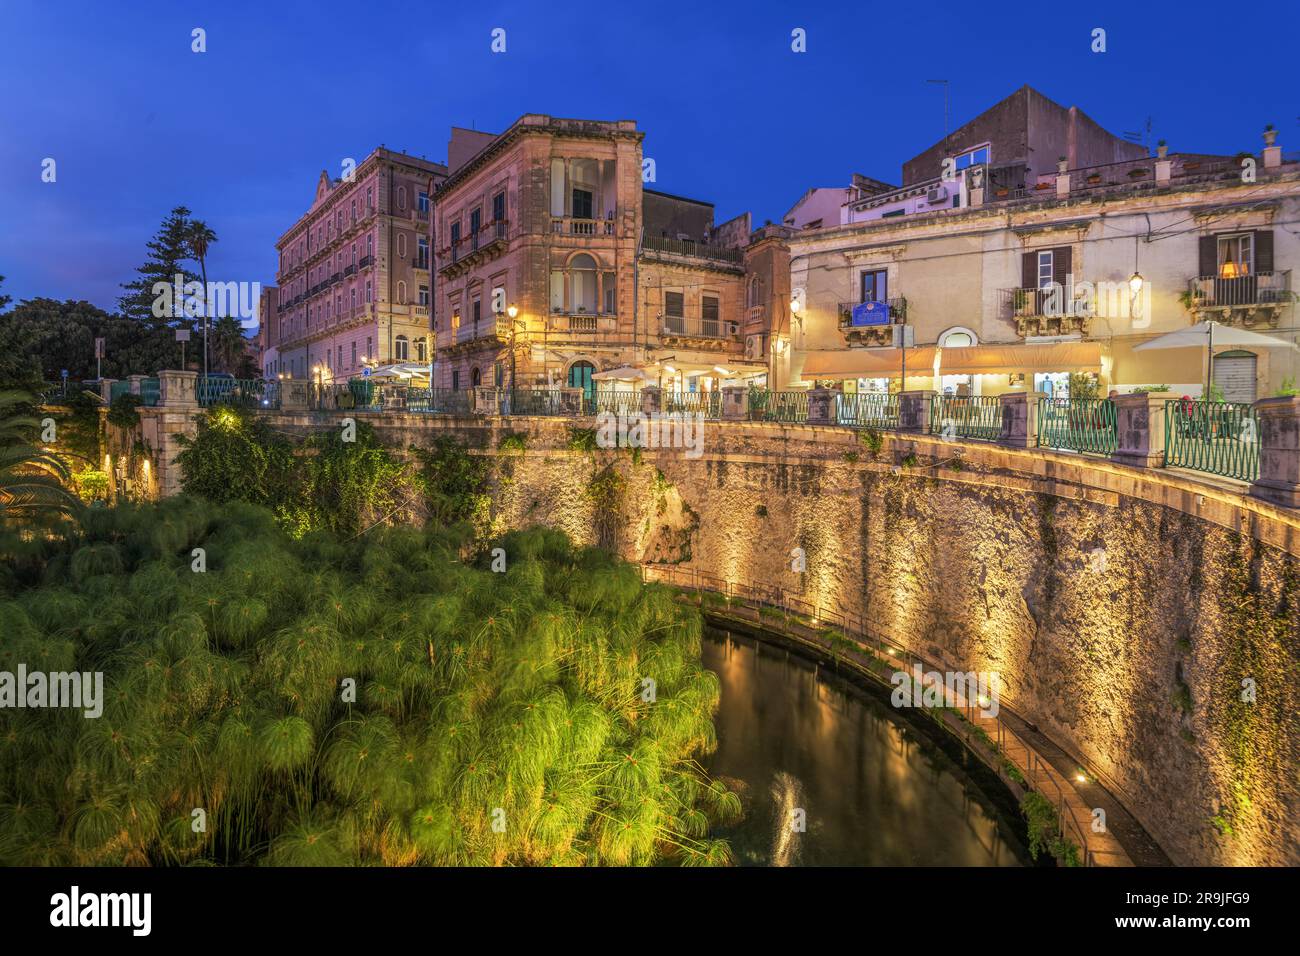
1001,191
1062,164
1136,173
1094,178
1162,149
1270,135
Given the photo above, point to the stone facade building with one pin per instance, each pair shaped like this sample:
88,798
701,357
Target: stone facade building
554,265
1016,285
354,273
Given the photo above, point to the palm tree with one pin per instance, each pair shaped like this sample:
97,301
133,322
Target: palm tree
32,479
198,237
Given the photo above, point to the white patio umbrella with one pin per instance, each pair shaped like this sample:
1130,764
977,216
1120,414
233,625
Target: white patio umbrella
624,373
1205,335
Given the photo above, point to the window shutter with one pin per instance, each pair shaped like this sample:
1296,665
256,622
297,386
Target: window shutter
557,188
1061,263
1263,250
1029,270
1209,256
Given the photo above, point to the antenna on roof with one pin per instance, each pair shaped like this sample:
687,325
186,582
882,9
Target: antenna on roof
1140,137
943,83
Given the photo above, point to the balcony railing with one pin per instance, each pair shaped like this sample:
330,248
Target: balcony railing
485,238
897,314
365,262
790,407
1262,288
689,247
708,404
1049,311
679,325
470,331
349,270
867,410
571,226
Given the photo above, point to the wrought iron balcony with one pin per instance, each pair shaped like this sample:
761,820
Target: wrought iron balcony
573,226
1051,311
1249,300
691,249
879,332
676,327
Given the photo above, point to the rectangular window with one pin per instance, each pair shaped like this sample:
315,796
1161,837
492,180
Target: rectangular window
610,287
1235,256
369,299
369,351
1046,267
455,233
475,311
709,315
875,286
424,295
498,207
475,222
354,353
422,253
582,204
674,309
422,201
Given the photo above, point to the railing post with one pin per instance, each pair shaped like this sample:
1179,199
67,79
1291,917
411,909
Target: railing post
735,403
106,389
1140,427
822,406
914,411
1279,451
1019,418
177,389
137,384
295,395
652,400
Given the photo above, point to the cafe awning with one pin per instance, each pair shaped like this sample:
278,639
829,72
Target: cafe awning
968,360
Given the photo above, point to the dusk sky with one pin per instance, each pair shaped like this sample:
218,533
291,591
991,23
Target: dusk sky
138,123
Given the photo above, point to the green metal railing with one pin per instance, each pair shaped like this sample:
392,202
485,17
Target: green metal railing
150,391
117,389
1086,425
608,401
1219,438
439,401
708,404
966,416
788,407
867,410
217,390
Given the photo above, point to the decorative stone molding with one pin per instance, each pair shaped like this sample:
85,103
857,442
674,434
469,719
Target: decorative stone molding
1279,451
1140,422
137,383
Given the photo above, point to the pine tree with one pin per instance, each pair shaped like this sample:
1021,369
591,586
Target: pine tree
169,250
4,299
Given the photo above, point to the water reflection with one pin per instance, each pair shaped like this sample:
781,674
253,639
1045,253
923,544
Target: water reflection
873,790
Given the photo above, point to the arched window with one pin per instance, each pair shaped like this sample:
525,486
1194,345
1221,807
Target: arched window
420,350
475,377
582,284
958,337
401,292
580,377
401,348
401,245
401,197
754,294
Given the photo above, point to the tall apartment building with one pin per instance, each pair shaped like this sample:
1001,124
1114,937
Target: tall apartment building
268,331
354,276
1062,269
554,265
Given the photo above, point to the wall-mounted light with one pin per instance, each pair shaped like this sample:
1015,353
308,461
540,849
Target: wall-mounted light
512,311
1135,283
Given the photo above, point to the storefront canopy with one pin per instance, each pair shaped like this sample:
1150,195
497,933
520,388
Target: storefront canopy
970,360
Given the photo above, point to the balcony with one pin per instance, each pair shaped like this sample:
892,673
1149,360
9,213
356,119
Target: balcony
496,328
1046,311
366,262
469,251
570,226
349,270
657,246
582,323
679,330
879,333
1252,300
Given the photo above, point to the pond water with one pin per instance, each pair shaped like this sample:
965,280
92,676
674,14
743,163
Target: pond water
875,788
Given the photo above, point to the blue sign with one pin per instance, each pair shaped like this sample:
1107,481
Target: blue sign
65,373
871,313
365,372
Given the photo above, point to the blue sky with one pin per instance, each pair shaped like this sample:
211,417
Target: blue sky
138,123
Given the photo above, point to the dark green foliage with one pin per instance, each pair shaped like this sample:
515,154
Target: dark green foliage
1043,825
228,691
237,456
582,439
169,252
122,412
453,481
513,441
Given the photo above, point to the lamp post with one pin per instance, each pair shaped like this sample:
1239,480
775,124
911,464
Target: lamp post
512,312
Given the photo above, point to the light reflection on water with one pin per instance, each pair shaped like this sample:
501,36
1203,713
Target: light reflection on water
875,791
